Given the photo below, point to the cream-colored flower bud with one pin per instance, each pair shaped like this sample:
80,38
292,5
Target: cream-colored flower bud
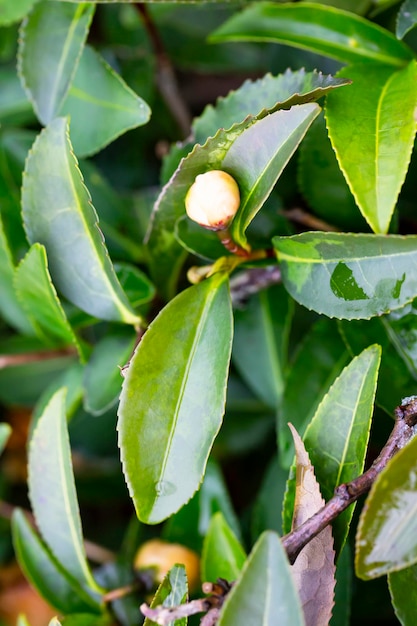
213,199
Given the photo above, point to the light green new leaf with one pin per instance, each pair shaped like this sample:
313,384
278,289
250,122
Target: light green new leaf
372,132
49,577
386,539
260,345
259,155
264,593
349,276
52,491
334,33
101,109
223,555
5,430
173,399
50,45
39,299
10,307
12,11
57,212
269,93
337,437
173,591
403,590
406,18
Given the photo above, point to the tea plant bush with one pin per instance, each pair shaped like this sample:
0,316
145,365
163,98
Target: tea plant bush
161,361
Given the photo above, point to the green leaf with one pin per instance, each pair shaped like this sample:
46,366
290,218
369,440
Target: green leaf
52,491
343,589
406,18
11,11
272,490
337,437
348,276
264,593
267,94
51,42
5,431
323,347
10,307
372,132
332,202
163,453
223,555
44,572
39,299
100,110
403,590
328,31
102,375
260,342
259,155
386,539
15,108
173,591
57,213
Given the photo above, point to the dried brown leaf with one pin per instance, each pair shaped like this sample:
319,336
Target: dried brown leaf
314,568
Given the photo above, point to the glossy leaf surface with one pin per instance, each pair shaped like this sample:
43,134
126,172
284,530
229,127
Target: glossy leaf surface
264,593
173,591
260,342
11,11
337,437
262,96
52,490
323,347
258,156
348,276
223,555
314,569
102,109
402,587
386,539
407,18
372,132
48,576
57,213
52,39
173,399
40,301
325,30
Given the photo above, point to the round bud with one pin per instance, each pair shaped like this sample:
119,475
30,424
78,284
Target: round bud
213,200
161,556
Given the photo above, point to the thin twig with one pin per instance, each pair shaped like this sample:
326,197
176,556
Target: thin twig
12,360
347,493
249,282
165,76
310,221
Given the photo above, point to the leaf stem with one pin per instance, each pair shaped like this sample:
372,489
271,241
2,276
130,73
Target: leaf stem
347,493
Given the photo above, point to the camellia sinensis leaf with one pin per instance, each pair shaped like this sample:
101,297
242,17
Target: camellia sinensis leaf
349,276
102,109
11,11
402,587
322,29
44,572
314,569
5,430
52,491
386,539
372,132
173,399
39,299
262,96
223,555
51,42
337,437
57,212
173,591
265,592
406,18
